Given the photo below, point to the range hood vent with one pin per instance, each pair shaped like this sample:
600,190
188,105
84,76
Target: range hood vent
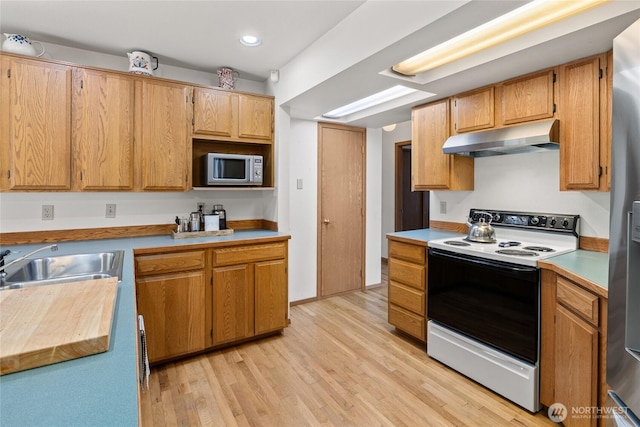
524,138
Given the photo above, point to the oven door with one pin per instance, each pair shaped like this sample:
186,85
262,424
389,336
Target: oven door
494,302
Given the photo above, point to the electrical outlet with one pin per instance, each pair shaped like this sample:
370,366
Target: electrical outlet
47,212
443,207
110,211
200,206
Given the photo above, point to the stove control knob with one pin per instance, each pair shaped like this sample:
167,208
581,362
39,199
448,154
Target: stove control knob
535,220
565,222
497,217
553,222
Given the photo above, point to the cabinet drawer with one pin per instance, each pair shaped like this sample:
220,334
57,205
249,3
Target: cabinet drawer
582,302
407,297
406,251
253,253
408,322
407,273
167,263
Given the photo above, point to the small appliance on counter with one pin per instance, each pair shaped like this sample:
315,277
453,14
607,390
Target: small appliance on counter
200,224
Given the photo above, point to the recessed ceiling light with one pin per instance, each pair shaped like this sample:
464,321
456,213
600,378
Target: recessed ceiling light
250,40
387,95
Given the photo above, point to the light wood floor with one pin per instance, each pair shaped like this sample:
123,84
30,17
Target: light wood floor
339,364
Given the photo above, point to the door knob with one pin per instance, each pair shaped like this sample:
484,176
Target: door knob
326,221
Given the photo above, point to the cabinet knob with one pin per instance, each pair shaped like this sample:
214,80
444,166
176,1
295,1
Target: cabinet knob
326,221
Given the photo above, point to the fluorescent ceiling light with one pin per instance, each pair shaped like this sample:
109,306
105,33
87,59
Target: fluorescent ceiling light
387,95
525,19
250,40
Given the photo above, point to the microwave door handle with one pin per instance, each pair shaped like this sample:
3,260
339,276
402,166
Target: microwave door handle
481,261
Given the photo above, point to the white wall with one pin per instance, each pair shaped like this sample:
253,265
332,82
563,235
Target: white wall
303,164
518,182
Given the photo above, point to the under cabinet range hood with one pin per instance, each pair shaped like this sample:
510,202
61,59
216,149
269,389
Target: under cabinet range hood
524,138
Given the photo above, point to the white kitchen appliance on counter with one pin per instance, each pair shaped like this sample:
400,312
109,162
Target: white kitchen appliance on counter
484,300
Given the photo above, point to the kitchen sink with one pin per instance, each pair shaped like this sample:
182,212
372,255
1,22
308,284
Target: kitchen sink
63,269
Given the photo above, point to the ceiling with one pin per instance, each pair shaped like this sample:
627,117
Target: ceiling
328,53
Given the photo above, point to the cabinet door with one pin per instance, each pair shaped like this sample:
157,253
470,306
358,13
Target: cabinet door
36,125
579,115
431,169
174,313
102,132
165,137
212,112
473,110
271,296
527,98
576,365
233,303
255,115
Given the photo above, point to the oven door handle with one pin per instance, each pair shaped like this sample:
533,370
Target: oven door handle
482,261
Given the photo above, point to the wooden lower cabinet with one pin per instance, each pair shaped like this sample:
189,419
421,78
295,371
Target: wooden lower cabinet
250,291
170,291
200,299
408,288
573,348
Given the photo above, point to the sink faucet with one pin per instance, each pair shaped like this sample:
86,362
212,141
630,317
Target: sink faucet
3,266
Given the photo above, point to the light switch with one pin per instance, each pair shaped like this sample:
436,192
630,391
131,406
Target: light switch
299,183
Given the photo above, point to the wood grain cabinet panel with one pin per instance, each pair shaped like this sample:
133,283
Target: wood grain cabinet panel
473,110
103,134
213,112
165,137
431,169
174,313
233,303
168,263
579,109
527,98
255,117
271,297
36,125
573,348
407,308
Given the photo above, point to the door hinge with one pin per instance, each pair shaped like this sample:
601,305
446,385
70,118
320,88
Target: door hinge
81,84
455,102
211,282
600,73
455,126
193,121
9,73
600,171
211,333
8,173
554,78
80,175
554,107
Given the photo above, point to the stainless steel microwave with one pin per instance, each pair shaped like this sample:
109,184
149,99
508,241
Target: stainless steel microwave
232,169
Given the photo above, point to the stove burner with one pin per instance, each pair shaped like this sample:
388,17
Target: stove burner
539,249
515,252
457,243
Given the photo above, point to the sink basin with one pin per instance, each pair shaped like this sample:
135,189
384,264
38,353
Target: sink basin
63,269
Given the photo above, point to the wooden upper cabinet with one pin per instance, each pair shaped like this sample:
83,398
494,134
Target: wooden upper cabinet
255,115
103,113
36,125
230,116
431,169
527,98
473,110
212,112
165,137
579,108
